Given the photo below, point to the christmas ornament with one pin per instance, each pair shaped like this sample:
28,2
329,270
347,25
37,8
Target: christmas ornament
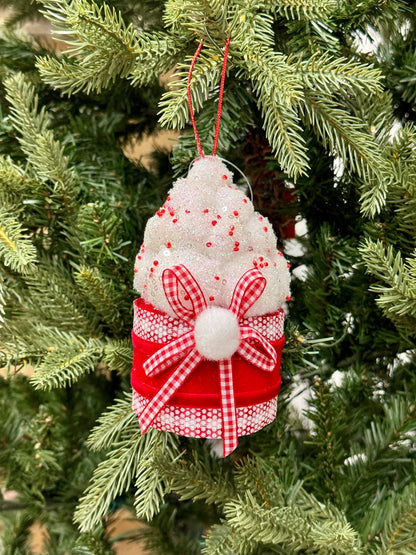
208,328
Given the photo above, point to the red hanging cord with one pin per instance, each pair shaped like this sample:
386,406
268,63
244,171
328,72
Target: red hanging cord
188,88
224,67
191,111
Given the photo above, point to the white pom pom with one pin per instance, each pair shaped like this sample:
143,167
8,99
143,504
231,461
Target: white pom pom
217,333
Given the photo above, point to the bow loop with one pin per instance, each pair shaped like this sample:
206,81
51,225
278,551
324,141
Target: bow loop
248,289
267,360
180,275
169,354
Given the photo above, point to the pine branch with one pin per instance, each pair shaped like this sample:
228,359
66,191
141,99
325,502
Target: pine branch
291,527
43,152
117,424
403,192
325,443
158,54
174,111
346,136
380,461
115,50
328,74
101,232
251,28
150,481
64,365
101,31
15,183
220,539
358,15
133,456
16,248
111,478
253,475
300,9
54,299
100,293
279,91
397,282
198,478
399,534
72,77
189,17
118,355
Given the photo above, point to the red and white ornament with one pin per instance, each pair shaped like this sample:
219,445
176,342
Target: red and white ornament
208,330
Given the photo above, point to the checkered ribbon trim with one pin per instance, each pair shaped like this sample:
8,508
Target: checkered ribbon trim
187,301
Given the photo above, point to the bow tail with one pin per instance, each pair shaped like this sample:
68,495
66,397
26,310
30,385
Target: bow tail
168,389
229,416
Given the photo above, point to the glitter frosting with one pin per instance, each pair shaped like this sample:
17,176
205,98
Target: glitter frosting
211,227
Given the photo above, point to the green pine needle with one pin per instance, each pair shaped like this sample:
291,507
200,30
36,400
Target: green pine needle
100,293
301,9
16,248
44,153
396,287
65,364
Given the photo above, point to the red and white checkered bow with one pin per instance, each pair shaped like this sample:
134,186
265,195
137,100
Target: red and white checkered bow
248,289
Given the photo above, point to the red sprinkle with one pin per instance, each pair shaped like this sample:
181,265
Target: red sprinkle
211,298
187,211
139,257
280,253
265,228
230,233
288,265
217,277
237,244
206,211
168,198
156,262
171,213
214,222
169,245
288,298
135,270
218,217
174,220
266,264
235,213
261,258
151,270
208,244
245,200
224,177
261,218
236,249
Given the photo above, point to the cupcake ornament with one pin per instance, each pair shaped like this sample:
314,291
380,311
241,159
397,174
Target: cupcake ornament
208,327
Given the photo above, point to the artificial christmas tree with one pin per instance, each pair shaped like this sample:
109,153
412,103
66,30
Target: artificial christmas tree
338,478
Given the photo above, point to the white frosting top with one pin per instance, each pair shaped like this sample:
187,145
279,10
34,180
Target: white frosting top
211,227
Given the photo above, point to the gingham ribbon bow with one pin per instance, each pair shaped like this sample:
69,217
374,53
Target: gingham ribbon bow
248,289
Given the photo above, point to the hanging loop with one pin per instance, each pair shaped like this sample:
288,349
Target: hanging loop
220,99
